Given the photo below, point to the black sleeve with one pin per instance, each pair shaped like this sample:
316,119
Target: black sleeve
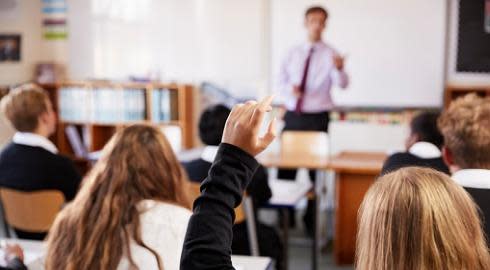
14,264
259,188
67,178
209,234
392,163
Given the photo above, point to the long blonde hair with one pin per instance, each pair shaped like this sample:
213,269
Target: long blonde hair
95,230
420,219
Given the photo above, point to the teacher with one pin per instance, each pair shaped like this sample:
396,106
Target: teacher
306,77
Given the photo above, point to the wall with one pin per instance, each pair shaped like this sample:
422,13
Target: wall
26,20
221,41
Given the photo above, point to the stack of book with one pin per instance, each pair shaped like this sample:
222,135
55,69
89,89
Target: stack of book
102,105
164,105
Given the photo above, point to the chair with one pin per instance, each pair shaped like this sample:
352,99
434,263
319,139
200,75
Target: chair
305,143
243,212
31,211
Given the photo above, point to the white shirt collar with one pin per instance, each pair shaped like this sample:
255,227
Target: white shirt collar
31,139
425,150
473,178
209,153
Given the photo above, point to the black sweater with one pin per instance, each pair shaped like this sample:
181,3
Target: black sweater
209,235
15,264
481,196
30,168
401,160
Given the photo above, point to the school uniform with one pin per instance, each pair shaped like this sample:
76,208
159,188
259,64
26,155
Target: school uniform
477,183
421,154
270,244
31,162
209,234
163,227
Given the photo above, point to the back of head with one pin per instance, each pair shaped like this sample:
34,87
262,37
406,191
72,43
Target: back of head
424,126
23,106
212,124
418,218
465,126
94,231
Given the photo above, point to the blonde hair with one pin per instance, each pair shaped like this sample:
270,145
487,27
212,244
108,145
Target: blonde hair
465,126
417,218
23,105
96,229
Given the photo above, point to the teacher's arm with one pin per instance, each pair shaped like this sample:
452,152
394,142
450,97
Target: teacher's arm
339,76
209,234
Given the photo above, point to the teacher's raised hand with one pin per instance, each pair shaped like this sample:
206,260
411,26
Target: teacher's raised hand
243,126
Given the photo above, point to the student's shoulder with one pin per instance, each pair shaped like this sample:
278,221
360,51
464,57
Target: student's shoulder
163,212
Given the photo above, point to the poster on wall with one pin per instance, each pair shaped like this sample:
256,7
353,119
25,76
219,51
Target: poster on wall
9,10
54,14
10,47
473,51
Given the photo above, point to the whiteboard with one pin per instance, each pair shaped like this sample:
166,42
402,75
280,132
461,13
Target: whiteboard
395,48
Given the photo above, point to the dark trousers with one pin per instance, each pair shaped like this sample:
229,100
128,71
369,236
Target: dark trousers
304,122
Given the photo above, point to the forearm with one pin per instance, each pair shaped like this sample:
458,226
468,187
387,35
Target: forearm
209,235
341,78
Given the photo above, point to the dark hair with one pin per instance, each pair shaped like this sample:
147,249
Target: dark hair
425,126
315,9
212,123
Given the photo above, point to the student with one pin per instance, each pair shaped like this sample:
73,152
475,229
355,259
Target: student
423,146
418,218
31,161
209,234
211,125
14,258
465,126
131,212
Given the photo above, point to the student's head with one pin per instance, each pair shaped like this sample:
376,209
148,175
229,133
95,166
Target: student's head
418,218
212,123
423,128
315,22
465,126
29,109
95,230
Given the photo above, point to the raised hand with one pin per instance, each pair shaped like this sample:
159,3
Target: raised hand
243,125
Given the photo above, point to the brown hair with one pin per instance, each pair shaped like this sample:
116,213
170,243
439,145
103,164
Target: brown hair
417,218
23,106
465,126
316,9
95,230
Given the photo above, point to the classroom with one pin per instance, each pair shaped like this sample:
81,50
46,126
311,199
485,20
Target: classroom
244,134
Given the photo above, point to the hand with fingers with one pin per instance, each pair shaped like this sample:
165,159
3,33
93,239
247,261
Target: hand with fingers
243,125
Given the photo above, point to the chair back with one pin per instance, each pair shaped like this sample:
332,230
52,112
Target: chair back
195,191
31,211
305,143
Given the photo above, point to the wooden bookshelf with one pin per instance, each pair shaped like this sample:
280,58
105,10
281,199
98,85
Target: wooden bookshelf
454,91
99,132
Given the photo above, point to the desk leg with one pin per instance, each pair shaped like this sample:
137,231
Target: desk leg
351,188
285,237
317,230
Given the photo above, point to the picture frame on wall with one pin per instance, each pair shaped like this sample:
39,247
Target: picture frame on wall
10,47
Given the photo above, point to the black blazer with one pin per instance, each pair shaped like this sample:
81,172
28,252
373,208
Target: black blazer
30,168
481,197
405,159
258,189
208,240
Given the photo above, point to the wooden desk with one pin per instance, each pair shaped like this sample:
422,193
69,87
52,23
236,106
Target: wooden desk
34,253
355,173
